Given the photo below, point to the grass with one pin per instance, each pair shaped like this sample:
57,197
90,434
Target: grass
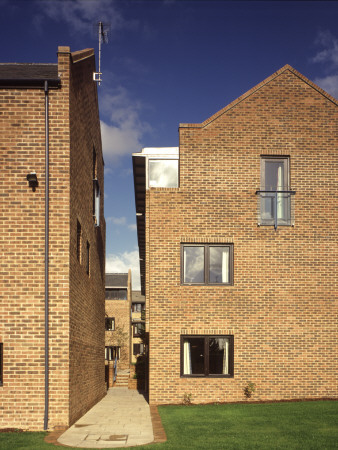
300,425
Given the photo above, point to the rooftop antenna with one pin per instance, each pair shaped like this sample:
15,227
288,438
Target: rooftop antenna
103,38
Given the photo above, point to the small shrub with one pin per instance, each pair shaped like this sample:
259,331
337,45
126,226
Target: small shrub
187,398
249,389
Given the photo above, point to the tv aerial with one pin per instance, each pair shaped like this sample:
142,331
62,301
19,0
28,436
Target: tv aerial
102,31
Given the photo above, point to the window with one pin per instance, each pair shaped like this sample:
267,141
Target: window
138,307
138,329
138,349
110,323
207,264
116,294
78,241
1,364
96,205
163,173
275,193
207,356
112,353
88,258
96,192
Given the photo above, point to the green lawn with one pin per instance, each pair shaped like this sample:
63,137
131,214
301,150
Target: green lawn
300,425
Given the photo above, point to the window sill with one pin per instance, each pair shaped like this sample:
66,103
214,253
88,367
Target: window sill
207,376
208,285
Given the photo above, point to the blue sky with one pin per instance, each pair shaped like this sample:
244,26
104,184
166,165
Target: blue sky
168,62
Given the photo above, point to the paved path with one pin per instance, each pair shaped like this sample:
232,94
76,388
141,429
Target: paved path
121,419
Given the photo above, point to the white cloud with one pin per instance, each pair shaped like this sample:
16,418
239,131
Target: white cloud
329,84
80,15
117,220
122,262
123,133
328,58
132,227
328,54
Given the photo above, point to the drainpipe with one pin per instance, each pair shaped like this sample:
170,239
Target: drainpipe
45,424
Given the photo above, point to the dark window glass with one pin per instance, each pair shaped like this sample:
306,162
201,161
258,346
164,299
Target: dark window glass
110,323
116,294
88,258
218,356
219,264
193,264
207,356
78,241
138,349
138,329
112,353
207,264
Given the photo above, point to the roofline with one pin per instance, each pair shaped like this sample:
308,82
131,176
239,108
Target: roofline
251,91
79,55
30,83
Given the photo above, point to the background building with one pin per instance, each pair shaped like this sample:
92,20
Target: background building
138,310
53,236
118,304
237,231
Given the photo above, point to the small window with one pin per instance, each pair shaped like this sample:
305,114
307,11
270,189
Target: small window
138,307
207,356
275,194
1,364
110,323
116,294
88,258
96,202
79,242
96,192
207,264
138,329
112,353
138,349
163,173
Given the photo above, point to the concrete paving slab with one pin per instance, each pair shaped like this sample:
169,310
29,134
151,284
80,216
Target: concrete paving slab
121,419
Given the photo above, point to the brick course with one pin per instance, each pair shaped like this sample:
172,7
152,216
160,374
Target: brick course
282,308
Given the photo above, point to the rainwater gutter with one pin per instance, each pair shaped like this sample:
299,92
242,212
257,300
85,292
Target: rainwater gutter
45,422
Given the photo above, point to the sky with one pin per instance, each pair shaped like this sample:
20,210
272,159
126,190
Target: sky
169,62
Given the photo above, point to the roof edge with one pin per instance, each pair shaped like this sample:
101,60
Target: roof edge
255,89
82,54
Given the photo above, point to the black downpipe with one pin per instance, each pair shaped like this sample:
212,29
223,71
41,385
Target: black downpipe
45,423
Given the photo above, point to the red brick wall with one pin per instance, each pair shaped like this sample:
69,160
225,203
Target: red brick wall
22,262
87,383
76,311
281,309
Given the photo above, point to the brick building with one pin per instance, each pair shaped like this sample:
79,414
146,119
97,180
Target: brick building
138,309
53,236
237,235
117,307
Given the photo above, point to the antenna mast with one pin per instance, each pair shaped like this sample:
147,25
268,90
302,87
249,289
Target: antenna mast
103,38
